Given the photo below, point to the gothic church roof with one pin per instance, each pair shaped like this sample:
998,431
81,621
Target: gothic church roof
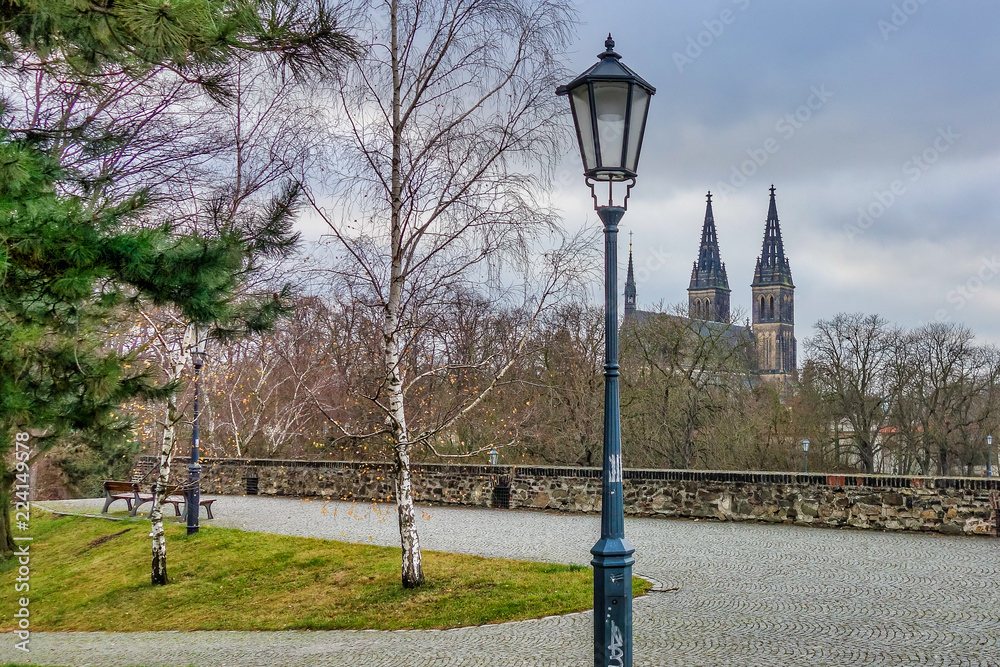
772,265
709,272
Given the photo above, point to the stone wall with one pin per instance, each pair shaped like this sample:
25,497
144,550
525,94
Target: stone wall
949,505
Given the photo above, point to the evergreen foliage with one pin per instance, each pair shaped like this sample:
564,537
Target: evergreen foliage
68,271
195,37
64,275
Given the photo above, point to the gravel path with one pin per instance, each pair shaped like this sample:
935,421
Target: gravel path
749,595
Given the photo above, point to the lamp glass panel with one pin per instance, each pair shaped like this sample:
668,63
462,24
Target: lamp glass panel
580,96
637,122
610,102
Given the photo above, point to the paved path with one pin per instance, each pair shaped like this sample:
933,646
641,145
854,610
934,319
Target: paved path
749,595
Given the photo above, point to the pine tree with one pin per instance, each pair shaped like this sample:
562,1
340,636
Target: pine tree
63,273
65,269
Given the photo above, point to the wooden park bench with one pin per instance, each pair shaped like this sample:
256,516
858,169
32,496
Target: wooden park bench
133,497
176,497
127,491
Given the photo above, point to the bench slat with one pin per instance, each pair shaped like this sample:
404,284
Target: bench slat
133,497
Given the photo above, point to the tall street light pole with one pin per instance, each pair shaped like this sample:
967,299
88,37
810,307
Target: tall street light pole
193,495
805,453
609,103
989,456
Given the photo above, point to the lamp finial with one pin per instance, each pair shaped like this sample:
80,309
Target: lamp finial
609,45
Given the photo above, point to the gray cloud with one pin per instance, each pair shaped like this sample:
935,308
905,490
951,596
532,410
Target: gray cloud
893,90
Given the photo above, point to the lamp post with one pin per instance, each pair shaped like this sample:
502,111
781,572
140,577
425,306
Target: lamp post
609,104
193,496
805,452
989,456
494,456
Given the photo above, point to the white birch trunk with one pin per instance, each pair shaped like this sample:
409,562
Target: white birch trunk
412,565
159,569
158,574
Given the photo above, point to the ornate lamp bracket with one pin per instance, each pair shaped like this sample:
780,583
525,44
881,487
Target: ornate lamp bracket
593,192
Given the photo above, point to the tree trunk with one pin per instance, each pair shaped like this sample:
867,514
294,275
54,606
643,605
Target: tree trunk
944,462
6,493
158,575
867,452
412,565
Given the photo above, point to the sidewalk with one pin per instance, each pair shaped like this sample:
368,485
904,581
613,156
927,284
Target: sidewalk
749,595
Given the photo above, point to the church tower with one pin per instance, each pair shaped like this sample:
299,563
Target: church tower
630,283
773,303
708,292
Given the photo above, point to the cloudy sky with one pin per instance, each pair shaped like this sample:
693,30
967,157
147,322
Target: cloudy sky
876,120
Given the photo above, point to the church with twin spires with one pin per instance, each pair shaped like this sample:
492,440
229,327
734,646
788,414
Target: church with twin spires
772,296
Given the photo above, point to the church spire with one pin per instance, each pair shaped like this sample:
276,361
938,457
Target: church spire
708,292
630,283
772,265
709,271
773,304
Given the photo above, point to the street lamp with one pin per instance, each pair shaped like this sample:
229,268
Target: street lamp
989,456
196,346
805,452
609,104
494,456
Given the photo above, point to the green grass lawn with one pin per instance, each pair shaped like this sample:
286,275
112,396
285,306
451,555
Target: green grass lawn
91,574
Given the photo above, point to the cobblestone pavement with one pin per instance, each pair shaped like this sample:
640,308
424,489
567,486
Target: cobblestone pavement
748,595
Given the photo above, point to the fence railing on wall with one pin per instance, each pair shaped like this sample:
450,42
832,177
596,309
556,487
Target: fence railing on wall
634,474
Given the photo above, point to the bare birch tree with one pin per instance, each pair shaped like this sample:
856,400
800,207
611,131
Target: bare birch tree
447,131
172,346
